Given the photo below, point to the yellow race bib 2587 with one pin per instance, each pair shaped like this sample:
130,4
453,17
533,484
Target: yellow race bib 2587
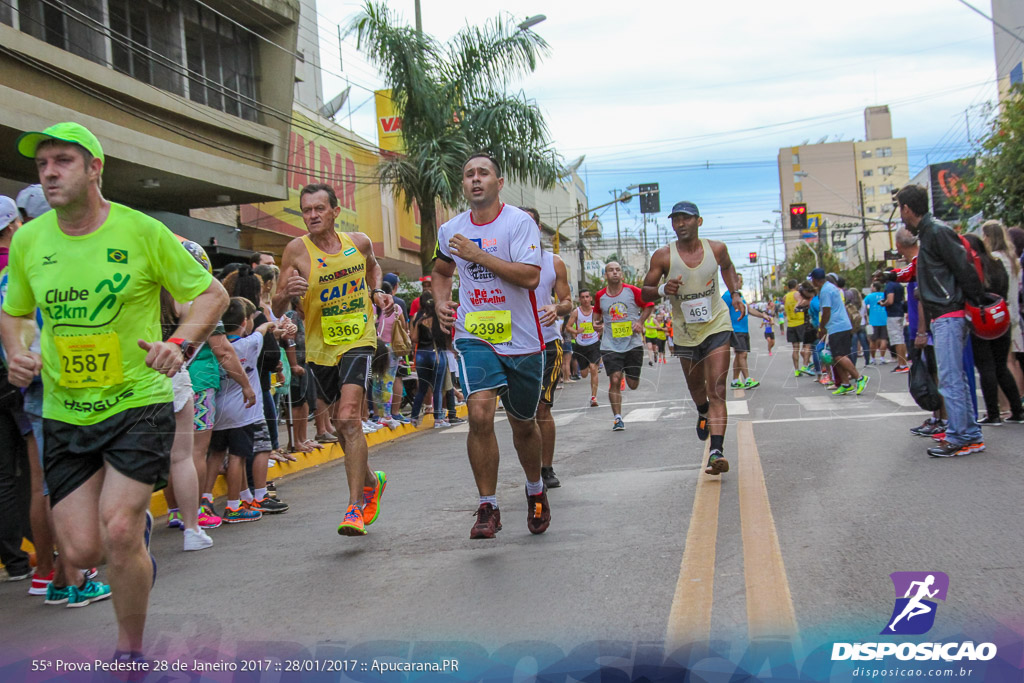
89,360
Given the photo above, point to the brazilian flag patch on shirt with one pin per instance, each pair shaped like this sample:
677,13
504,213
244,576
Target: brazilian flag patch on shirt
117,256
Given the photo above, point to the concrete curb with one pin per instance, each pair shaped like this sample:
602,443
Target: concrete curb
305,461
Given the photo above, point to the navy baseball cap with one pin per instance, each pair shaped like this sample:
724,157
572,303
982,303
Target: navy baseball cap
818,274
685,207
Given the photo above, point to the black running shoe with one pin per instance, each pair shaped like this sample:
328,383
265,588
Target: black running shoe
548,475
717,464
270,506
703,432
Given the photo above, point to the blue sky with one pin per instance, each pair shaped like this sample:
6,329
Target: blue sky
699,97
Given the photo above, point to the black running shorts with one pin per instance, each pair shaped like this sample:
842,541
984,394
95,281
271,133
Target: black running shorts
589,354
552,370
695,354
740,341
136,442
352,368
627,362
841,344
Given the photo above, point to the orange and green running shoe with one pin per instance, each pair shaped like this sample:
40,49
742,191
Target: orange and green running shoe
371,498
352,524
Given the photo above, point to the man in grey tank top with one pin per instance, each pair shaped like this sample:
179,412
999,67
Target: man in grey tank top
701,323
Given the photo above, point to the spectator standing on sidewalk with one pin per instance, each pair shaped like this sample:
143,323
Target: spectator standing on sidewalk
946,280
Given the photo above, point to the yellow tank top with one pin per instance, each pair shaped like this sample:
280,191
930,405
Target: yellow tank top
338,312
697,309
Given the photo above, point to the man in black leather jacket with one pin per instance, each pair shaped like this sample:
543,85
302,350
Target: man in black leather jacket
946,279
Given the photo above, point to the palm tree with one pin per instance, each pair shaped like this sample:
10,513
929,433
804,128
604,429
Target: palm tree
453,101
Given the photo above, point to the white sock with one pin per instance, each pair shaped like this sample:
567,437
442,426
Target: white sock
534,487
247,495
261,493
617,416
208,497
234,504
493,500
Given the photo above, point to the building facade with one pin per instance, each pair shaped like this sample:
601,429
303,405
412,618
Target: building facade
1009,49
836,180
185,96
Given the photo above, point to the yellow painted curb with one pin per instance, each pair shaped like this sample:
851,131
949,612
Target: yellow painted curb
304,461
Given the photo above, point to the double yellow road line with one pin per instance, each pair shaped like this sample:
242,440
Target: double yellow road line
770,613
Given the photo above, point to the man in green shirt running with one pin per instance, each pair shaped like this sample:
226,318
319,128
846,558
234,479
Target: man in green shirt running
94,268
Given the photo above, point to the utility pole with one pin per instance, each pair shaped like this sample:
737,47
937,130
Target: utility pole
618,233
864,234
419,19
647,254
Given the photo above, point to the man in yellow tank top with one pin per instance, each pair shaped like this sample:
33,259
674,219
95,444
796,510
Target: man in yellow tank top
703,329
337,280
799,331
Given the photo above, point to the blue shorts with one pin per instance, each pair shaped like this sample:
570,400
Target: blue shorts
518,379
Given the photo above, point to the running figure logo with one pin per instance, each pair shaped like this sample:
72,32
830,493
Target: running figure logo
914,612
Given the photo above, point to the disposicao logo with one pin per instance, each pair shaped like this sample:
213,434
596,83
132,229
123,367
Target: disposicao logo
914,613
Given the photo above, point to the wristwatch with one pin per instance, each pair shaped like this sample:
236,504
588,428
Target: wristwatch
374,291
188,348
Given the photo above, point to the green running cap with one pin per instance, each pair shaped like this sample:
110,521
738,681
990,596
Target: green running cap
68,131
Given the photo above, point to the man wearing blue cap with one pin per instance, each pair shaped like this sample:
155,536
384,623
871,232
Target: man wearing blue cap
95,269
835,322
702,329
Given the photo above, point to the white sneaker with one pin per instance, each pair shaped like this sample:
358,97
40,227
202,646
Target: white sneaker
442,424
197,540
371,426
390,423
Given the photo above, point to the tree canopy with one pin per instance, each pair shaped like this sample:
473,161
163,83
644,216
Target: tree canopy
454,100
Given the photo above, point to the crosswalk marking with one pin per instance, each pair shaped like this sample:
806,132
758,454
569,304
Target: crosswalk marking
902,399
644,415
566,418
737,407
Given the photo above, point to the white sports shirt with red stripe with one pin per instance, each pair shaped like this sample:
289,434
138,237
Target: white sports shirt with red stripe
512,236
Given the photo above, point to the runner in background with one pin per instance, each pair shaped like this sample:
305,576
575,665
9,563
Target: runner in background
587,345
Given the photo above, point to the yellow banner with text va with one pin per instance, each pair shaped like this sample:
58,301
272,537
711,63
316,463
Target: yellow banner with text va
389,123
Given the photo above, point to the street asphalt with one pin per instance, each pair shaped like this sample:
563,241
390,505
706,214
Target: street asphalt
853,497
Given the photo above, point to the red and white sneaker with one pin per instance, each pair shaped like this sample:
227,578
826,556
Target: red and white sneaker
40,583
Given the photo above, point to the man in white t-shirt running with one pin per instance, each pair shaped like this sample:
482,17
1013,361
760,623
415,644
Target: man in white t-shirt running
497,333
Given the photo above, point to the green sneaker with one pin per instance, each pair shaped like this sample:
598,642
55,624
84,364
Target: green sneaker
736,384
91,591
796,373
751,383
862,382
57,596
844,389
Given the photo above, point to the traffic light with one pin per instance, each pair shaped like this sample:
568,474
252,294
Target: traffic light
798,216
649,198
753,257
